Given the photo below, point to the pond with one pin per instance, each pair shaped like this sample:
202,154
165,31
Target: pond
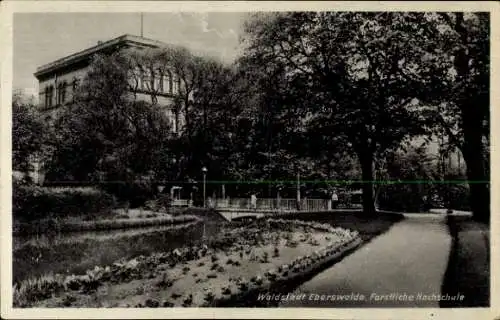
77,252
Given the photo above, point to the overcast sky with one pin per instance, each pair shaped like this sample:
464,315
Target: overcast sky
40,38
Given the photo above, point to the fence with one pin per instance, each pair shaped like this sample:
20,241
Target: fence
273,204
269,204
180,203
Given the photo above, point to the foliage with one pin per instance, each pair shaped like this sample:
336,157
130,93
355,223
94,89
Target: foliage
415,167
343,70
27,134
109,134
31,203
133,192
456,71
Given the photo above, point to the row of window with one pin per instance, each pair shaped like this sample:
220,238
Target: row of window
60,92
159,82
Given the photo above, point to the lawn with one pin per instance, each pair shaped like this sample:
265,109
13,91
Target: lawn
367,226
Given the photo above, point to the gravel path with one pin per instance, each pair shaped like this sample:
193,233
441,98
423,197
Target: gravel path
409,260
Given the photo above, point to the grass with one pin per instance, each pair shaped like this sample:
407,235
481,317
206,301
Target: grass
33,290
468,271
367,226
77,225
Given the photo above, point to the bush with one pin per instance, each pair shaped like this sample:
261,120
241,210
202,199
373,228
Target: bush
136,193
31,202
401,197
408,197
459,197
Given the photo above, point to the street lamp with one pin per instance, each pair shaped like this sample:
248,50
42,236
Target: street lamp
204,170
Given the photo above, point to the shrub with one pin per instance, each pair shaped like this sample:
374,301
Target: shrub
152,303
32,290
134,192
31,203
165,282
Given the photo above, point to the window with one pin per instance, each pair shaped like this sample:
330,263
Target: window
75,88
47,97
158,86
173,120
58,93
49,94
173,85
139,77
146,80
61,93
168,81
165,84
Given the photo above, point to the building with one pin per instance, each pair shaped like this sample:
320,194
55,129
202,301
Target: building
58,80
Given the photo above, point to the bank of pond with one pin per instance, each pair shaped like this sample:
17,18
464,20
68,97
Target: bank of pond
44,263
231,261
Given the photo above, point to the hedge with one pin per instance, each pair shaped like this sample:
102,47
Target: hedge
30,202
409,198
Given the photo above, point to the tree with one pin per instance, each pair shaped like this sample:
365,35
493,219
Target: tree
28,134
344,69
109,133
415,165
457,73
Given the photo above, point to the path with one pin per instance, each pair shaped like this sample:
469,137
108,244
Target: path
410,258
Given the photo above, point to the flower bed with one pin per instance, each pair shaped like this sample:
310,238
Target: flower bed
296,270
224,271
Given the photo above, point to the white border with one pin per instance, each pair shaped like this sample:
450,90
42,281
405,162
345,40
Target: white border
6,22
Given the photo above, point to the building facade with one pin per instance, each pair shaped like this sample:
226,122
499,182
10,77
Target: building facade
59,80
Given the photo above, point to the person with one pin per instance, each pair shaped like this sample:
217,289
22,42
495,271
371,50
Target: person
425,203
253,201
335,199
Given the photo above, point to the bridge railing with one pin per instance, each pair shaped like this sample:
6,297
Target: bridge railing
274,204
180,203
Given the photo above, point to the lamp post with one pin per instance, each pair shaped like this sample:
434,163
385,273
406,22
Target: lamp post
298,191
204,170
278,198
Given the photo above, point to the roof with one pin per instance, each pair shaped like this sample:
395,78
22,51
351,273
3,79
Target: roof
126,39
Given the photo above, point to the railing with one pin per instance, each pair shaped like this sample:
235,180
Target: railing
268,204
273,204
180,203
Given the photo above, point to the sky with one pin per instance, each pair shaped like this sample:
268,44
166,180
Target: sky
40,38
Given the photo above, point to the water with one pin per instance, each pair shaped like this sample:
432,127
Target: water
77,252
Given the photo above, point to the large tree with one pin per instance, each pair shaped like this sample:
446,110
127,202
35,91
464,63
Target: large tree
457,71
345,69
108,132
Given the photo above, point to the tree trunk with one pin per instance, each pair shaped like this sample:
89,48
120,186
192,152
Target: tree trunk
474,156
366,161
474,106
